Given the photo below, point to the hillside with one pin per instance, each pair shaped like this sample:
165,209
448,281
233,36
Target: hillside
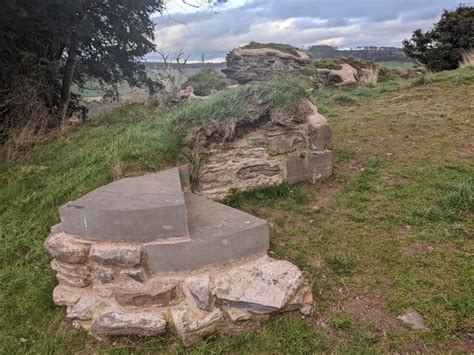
392,229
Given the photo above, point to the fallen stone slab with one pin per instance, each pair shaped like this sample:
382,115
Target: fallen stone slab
114,322
261,286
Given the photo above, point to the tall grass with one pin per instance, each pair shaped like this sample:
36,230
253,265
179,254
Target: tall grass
467,59
370,75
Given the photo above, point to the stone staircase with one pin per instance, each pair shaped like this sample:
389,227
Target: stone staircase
144,253
179,231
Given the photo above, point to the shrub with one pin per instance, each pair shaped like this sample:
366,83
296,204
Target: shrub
206,81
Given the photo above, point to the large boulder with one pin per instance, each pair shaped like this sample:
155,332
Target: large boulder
246,64
344,77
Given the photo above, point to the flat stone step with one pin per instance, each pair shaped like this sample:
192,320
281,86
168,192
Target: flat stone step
138,209
218,234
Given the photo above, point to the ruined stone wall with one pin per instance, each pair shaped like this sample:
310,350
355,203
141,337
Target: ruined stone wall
245,65
285,151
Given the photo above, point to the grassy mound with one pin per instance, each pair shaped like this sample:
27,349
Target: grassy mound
285,48
391,230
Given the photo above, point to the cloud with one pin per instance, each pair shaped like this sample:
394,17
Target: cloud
297,22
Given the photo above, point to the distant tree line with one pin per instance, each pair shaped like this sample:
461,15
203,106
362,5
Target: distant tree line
376,54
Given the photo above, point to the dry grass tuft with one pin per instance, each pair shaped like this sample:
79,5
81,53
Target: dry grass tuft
370,75
467,59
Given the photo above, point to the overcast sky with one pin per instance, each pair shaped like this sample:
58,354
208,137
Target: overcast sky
342,23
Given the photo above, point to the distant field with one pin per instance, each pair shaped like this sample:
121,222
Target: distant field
397,65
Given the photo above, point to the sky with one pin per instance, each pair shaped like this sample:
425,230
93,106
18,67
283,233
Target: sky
198,29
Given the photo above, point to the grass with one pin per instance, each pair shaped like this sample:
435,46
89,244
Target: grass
397,65
392,228
278,46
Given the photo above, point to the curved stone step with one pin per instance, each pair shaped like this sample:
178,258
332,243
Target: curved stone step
218,234
138,209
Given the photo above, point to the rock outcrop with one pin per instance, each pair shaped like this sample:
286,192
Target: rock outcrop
143,255
345,77
261,151
247,64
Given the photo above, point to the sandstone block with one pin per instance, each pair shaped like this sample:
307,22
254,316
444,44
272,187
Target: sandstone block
198,288
154,293
190,325
285,142
74,270
134,209
84,309
136,274
319,166
262,286
114,322
296,169
66,248
72,281
66,296
115,254
218,235
104,274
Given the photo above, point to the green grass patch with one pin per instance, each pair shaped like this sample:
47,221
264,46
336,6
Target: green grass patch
207,81
286,48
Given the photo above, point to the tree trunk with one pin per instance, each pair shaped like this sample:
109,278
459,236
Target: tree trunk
67,82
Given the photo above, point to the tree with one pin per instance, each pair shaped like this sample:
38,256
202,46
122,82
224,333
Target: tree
51,45
442,47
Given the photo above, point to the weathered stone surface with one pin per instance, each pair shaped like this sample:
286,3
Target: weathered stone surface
319,166
253,171
75,270
114,322
104,274
84,309
302,301
346,76
115,254
134,209
198,288
274,150
262,286
190,325
285,142
66,296
72,281
412,319
220,172
66,248
157,292
136,274
218,235
245,65
296,169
